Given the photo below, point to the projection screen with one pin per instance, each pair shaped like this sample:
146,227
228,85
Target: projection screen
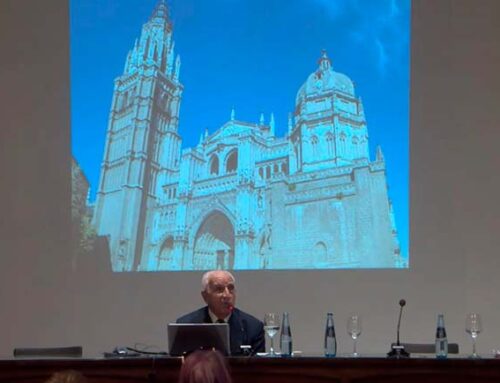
244,135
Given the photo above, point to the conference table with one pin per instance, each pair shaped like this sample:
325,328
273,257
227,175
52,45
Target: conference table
263,370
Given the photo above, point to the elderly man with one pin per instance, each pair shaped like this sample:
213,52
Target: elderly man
219,293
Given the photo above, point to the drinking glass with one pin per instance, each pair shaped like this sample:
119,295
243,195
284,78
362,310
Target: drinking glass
354,330
473,327
271,326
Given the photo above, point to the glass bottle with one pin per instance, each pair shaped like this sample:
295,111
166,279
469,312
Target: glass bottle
286,337
441,340
330,339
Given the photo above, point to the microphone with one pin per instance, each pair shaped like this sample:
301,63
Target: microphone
398,350
402,304
245,348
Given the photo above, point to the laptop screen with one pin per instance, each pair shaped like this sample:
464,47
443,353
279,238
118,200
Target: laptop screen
184,338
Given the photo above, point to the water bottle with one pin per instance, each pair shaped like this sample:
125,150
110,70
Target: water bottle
330,340
286,337
441,340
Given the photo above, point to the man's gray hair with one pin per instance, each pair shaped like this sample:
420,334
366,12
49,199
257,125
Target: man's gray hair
205,280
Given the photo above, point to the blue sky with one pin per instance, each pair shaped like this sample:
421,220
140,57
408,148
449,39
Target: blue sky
253,55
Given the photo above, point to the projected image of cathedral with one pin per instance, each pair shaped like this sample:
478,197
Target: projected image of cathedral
242,198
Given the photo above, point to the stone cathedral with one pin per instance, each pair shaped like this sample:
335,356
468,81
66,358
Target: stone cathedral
243,198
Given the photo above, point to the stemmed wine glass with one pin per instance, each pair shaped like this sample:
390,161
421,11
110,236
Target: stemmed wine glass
354,330
271,326
473,327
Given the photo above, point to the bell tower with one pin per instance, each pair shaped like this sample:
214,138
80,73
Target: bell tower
142,147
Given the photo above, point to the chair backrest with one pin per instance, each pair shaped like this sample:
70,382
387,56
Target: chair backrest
428,348
58,352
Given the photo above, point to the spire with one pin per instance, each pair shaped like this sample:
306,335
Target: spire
206,133
324,62
233,114
261,119
128,62
170,60
177,67
131,62
361,110
290,123
160,13
271,124
201,139
154,46
135,55
379,156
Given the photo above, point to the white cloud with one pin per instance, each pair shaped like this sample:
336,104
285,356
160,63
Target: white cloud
376,26
382,58
334,8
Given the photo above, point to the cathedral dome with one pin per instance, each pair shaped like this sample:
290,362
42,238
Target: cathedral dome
325,80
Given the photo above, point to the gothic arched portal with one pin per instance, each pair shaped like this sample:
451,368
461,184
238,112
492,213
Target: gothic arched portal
214,243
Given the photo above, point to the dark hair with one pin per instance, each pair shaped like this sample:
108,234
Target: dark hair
204,366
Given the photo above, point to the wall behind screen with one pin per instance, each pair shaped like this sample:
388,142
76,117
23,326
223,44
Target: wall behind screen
453,203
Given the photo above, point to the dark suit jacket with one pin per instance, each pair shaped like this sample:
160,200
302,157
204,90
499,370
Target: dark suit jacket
244,329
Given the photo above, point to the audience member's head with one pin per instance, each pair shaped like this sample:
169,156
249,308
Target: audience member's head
204,366
218,292
68,376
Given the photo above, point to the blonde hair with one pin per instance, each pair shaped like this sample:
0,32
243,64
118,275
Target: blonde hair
204,366
68,376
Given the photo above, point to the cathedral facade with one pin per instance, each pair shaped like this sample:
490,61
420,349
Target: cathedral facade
243,198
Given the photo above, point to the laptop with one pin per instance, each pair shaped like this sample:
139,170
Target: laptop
184,338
